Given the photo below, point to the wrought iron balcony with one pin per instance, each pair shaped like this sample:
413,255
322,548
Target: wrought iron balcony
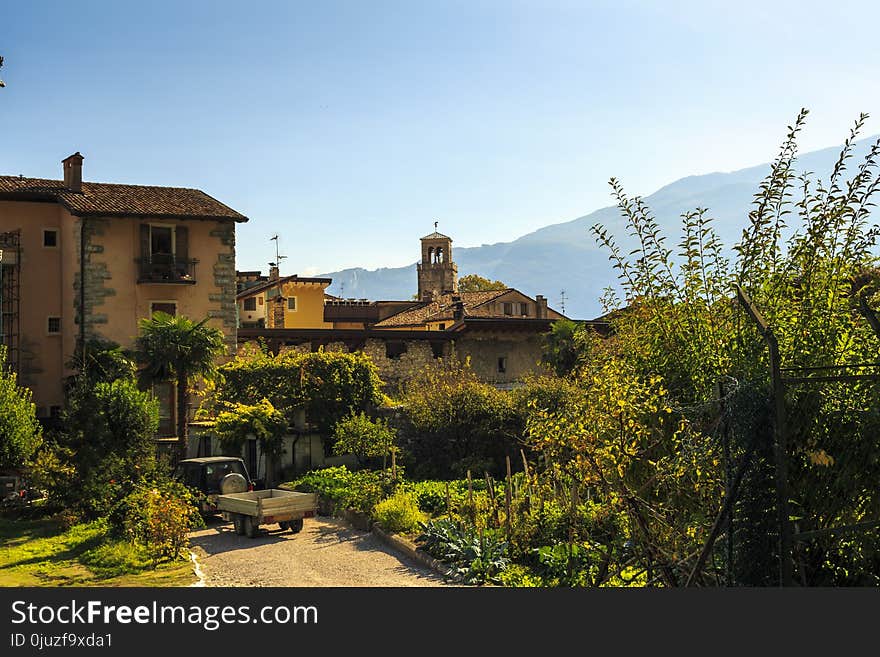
166,269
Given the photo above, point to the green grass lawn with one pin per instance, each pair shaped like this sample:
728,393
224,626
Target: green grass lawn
42,553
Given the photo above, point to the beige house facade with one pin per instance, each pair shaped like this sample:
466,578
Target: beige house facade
84,260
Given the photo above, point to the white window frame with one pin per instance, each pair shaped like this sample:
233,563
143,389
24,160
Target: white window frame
295,305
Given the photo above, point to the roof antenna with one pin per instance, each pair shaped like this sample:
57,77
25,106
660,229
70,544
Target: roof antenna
562,301
277,256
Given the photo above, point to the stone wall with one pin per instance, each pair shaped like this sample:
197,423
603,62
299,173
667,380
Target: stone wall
97,275
399,360
224,280
522,354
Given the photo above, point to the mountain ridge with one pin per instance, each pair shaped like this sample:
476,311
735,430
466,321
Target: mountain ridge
565,257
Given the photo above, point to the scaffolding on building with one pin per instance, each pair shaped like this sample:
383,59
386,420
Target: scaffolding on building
10,297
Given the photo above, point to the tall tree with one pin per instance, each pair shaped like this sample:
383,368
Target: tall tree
476,283
180,350
20,433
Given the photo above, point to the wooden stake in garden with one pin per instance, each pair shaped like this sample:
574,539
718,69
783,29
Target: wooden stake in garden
507,486
394,466
527,476
473,509
572,520
491,490
448,501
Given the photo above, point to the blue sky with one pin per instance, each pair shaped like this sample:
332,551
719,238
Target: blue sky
349,127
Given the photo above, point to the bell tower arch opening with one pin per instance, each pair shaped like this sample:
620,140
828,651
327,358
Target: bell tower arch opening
437,272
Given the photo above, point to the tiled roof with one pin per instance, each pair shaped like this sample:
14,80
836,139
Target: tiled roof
436,236
265,285
475,305
106,199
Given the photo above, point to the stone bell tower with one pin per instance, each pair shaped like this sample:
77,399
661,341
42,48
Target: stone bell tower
438,274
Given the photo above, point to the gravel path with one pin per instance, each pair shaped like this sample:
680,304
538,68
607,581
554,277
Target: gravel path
327,552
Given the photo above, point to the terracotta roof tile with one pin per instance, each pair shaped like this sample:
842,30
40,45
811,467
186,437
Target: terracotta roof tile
106,199
436,236
265,285
475,305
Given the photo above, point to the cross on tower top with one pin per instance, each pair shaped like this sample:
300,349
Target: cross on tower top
435,225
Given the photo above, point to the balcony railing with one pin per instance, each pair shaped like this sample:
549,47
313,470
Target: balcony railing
166,269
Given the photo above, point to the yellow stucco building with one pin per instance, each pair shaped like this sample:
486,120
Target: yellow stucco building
85,260
281,301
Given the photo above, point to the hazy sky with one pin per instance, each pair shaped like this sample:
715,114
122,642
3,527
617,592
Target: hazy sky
348,128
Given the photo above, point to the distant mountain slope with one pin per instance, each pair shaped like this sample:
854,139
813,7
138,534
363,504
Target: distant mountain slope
566,257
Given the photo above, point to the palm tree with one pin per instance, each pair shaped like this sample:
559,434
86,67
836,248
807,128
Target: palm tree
175,348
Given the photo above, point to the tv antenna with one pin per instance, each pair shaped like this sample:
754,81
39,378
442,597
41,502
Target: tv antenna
562,301
278,257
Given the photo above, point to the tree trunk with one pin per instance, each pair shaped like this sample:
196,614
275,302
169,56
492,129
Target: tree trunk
182,417
270,470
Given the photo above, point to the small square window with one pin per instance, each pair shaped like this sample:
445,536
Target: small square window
291,303
394,349
50,238
53,325
441,327
250,304
168,307
507,308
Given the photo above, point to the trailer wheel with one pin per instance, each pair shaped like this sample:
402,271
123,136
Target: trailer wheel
296,526
284,525
251,527
238,523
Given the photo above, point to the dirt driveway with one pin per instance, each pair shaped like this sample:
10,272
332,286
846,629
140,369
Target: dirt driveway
327,552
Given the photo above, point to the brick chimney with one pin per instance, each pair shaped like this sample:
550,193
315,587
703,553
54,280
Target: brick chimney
457,309
541,307
73,172
273,272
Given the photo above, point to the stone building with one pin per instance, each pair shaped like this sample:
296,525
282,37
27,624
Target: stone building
85,260
437,272
498,331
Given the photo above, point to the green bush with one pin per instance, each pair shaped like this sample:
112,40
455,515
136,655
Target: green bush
452,422
327,385
20,433
360,490
365,438
52,471
399,513
475,557
517,575
109,428
157,515
431,494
